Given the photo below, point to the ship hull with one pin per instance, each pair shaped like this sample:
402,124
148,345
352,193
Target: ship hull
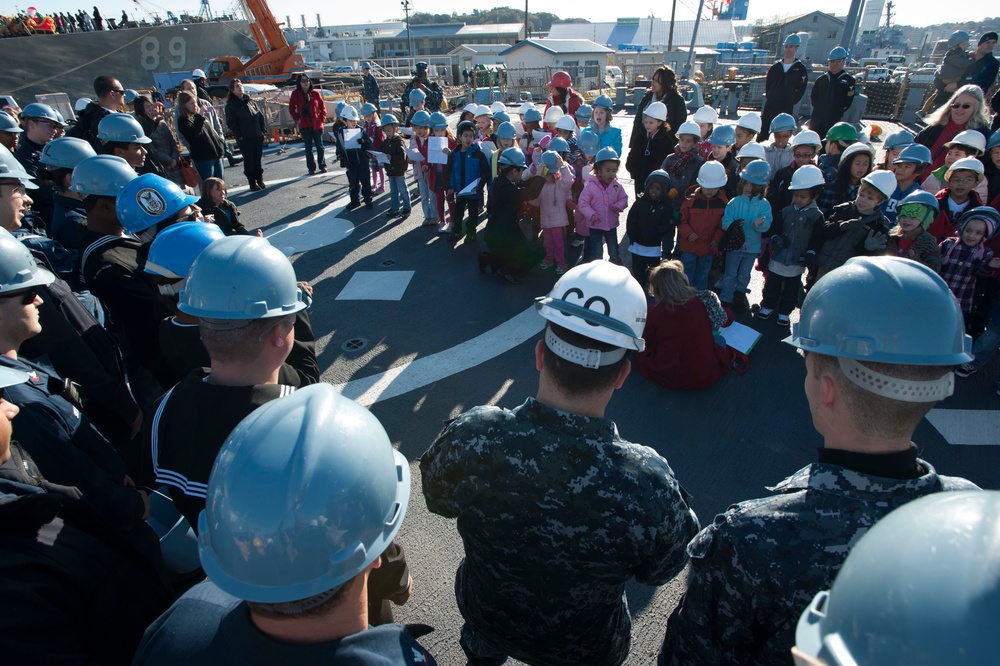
69,63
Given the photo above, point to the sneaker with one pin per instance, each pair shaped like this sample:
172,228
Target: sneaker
545,266
783,320
966,370
560,270
576,242
391,213
765,313
405,214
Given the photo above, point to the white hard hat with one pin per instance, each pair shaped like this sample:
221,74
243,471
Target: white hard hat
600,301
566,123
808,177
706,114
806,138
970,138
689,127
553,114
883,181
656,110
483,110
856,148
524,108
712,175
752,149
750,121
471,108
198,74
498,106
82,103
967,164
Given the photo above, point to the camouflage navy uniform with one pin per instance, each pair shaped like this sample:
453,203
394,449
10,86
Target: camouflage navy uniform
757,567
556,512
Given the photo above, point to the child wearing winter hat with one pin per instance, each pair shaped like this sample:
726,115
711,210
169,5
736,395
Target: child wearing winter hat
909,238
965,258
649,224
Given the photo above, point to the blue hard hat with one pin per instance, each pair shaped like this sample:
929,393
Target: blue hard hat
502,116
65,152
241,277
11,168
838,53
603,102
559,145
987,214
920,197
389,119
121,128
915,152
584,113
175,248
532,116
658,176
102,175
368,108
512,157
9,124
899,139
723,135
783,122
550,159
993,142
306,493
40,111
18,268
130,95
421,119
757,172
919,587
606,154
589,142
957,37
465,126
793,40
148,200
860,310
438,121
417,96
340,107
507,131
365,65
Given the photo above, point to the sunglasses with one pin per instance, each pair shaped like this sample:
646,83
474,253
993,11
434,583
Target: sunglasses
27,296
117,91
961,106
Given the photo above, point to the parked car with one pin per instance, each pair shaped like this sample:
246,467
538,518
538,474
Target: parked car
877,75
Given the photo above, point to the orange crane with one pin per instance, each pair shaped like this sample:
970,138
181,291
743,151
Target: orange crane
277,63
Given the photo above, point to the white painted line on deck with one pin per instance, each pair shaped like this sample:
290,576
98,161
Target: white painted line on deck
322,229
967,427
376,286
429,369
239,189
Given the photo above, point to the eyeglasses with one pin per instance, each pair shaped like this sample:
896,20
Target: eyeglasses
804,155
956,105
45,122
964,180
27,296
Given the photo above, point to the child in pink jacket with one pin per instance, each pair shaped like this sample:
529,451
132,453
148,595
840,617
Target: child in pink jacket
603,199
552,202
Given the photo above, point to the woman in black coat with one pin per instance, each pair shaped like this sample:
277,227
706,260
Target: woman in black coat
205,145
663,88
246,121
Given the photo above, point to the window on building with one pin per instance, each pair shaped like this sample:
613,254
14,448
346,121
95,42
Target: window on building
832,34
815,19
591,68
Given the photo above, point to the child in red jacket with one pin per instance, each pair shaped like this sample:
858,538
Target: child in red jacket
701,223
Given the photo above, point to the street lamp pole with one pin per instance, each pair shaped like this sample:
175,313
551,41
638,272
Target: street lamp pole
409,42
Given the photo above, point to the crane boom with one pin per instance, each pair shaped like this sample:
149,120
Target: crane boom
266,31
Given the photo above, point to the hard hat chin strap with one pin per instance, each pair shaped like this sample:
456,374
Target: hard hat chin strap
904,390
588,358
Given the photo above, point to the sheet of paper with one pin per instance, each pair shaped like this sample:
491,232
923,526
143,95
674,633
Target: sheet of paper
435,150
406,131
352,138
538,135
487,147
381,158
739,337
470,188
414,155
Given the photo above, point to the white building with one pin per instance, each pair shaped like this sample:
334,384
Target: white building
583,59
468,56
649,33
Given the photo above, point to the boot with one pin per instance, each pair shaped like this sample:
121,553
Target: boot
260,179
